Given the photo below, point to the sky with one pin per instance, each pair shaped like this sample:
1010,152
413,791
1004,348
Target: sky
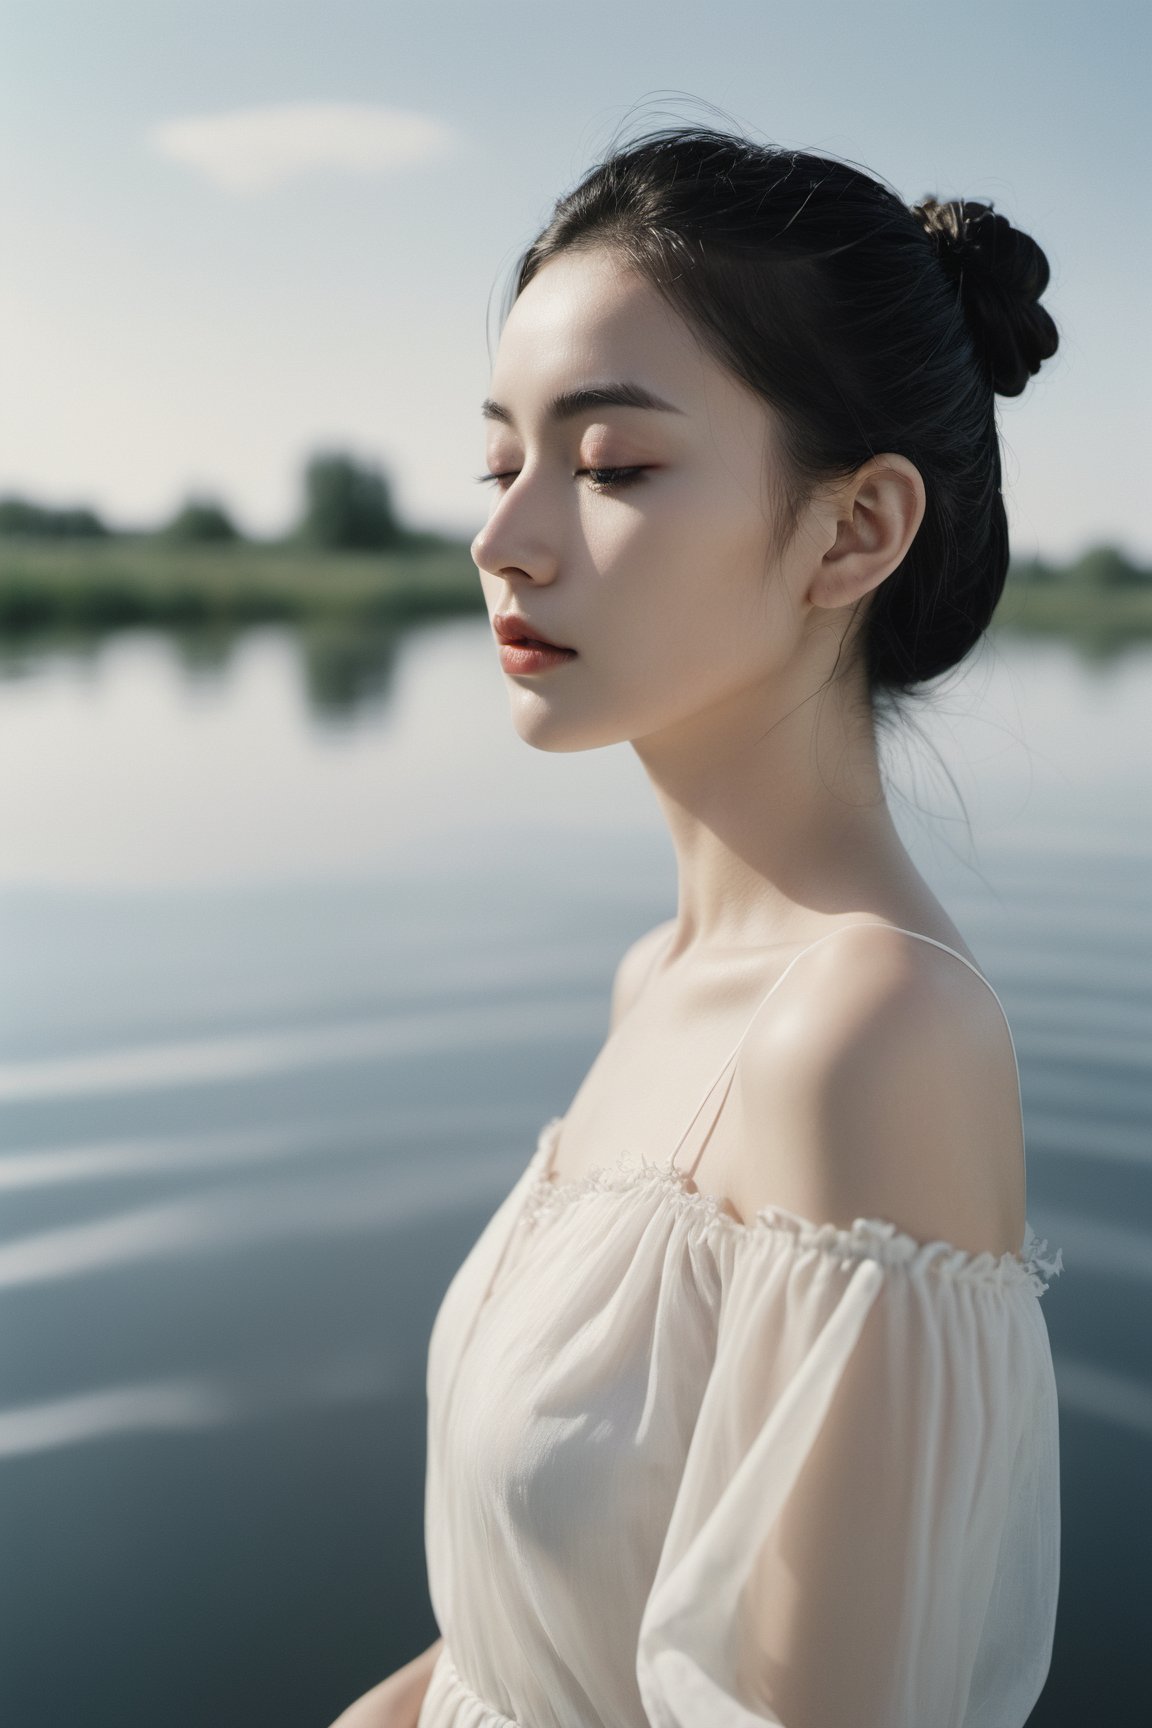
239,231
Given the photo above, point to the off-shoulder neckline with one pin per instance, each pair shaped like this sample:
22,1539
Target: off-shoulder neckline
867,1238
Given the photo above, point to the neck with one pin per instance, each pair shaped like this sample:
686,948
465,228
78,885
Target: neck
778,817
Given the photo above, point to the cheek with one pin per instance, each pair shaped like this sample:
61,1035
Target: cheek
673,641
680,614
688,579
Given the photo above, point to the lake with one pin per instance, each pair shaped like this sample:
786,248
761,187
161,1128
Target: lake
301,947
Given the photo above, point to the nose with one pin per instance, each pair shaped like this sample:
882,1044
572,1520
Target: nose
517,539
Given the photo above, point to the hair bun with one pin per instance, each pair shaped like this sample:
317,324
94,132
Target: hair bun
1001,273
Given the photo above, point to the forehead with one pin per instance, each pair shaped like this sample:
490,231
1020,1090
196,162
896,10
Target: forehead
589,313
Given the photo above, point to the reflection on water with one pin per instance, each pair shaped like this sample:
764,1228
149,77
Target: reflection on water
302,947
347,670
344,666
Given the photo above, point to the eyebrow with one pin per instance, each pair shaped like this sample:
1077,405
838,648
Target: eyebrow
571,403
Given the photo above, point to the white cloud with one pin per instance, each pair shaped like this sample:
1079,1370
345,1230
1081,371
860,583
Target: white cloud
254,149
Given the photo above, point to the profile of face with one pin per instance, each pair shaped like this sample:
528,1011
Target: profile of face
639,536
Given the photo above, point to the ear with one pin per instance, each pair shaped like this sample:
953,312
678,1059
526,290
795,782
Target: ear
875,515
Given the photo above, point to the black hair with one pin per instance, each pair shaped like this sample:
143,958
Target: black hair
867,326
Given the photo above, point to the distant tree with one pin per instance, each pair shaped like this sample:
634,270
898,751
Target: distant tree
1031,570
202,522
20,516
1105,567
79,524
348,504
1099,567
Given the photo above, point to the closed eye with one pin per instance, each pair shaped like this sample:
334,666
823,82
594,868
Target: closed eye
602,479
605,479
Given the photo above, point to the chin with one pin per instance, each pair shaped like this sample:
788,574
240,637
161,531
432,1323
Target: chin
547,728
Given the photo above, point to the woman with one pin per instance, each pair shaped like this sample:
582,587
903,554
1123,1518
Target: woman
753,1421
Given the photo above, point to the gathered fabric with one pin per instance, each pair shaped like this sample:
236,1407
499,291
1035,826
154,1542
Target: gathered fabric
689,1472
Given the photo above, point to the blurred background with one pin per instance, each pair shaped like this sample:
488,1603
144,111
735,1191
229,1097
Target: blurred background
299,945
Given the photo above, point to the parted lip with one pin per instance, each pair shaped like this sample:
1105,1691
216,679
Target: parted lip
514,627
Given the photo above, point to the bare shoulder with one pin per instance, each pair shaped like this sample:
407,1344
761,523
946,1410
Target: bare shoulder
635,966
880,1083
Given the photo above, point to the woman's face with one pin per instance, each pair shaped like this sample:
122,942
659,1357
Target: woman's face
662,578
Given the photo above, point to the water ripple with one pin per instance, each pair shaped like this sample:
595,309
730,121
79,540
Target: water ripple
243,1056
233,1217
185,1404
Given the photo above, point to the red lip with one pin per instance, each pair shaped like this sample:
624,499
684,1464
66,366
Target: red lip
513,627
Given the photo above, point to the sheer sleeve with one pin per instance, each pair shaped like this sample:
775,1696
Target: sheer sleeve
867,1530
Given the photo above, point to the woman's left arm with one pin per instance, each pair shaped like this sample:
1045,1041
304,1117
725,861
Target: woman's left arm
867,1529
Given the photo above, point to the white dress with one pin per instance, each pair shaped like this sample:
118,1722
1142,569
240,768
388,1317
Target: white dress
687,1472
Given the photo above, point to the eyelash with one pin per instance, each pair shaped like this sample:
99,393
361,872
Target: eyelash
604,479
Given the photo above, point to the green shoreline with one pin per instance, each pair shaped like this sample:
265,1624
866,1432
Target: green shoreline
116,582
46,588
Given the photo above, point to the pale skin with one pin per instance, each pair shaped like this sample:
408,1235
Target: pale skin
879,1081
396,1701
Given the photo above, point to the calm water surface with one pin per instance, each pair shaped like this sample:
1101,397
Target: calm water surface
301,946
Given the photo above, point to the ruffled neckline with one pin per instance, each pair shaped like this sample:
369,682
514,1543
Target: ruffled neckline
866,1238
